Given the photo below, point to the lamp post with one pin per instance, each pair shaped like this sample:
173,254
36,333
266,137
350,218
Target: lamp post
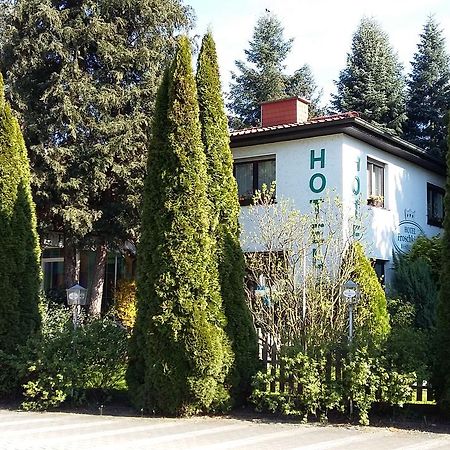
350,292
76,297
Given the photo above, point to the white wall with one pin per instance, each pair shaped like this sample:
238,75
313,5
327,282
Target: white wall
345,161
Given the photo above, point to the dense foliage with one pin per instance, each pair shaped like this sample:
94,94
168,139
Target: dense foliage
429,92
222,192
65,364
371,315
312,386
179,355
19,246
441,376
413,281
83,76
372,82
125,302
262,77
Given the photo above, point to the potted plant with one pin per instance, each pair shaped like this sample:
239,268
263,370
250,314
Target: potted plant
376,200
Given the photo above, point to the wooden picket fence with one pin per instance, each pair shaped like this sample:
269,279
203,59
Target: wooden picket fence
269,356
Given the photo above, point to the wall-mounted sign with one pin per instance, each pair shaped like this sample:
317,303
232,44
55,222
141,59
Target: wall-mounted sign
406,233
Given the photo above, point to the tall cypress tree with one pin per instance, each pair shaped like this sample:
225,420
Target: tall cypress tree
372,82
441,370
429,92
19,249
180,354
222,192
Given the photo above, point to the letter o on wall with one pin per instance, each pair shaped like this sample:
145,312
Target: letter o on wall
319,185
356,186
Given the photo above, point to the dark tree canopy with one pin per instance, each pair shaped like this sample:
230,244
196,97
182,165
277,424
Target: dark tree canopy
429,92
222,192
19,246
83,76
179,354
262,77
372,82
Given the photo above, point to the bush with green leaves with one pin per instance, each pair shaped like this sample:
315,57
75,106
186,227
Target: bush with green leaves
400,352
308,389
64,363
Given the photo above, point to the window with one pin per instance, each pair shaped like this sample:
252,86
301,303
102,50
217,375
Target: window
53,269
251,175
435,205
375,183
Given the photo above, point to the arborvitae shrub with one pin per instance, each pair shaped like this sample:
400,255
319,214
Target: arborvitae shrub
19,247
222,192
180,354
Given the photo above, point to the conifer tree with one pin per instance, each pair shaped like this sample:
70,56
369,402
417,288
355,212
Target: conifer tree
372,82
441,371
83,77
222,192
429,92
180,354
19,249
262,78
371,314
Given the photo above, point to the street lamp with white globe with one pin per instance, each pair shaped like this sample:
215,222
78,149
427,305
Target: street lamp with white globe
76,297
351,293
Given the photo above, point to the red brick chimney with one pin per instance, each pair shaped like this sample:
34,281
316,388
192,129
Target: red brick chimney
282,112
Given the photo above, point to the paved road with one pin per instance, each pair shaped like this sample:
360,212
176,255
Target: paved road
62,431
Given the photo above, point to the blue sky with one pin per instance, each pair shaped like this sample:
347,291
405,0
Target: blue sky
322,29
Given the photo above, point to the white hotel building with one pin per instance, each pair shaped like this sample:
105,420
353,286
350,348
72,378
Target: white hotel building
400,188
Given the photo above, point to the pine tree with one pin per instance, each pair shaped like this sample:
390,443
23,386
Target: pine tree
19,249
180,354
441,370
262,78
83,76
222,191
429,92
372,82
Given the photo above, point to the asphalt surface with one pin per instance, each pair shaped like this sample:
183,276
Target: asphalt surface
64,431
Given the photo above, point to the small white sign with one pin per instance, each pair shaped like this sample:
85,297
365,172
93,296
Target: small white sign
349,293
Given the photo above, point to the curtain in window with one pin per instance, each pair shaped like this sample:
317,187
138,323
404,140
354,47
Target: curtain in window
244,178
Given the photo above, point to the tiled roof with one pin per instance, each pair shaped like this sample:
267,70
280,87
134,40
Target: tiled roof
321,119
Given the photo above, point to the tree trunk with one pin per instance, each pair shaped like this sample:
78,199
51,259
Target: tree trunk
71,264
96,294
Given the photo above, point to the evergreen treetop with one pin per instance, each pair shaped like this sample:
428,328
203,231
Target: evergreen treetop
372,82
429,92
262,78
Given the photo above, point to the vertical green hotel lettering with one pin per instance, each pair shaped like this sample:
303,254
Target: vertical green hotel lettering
356,189
318,181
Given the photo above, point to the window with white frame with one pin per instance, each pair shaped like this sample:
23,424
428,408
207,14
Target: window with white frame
435,205
375,183
251,175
